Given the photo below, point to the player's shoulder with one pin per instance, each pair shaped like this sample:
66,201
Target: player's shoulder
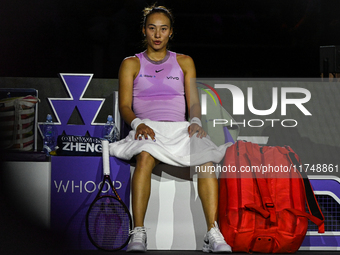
130,64
184,58
186,62
131,61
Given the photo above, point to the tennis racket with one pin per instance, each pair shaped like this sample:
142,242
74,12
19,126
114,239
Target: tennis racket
108,220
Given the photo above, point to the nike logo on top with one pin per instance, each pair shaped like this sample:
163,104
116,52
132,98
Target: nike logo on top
157,71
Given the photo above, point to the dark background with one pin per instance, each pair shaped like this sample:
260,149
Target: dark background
226,38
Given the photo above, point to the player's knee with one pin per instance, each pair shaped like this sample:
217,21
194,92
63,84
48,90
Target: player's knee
146,161
144,157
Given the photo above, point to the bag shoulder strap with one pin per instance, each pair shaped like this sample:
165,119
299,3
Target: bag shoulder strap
312,203
267,201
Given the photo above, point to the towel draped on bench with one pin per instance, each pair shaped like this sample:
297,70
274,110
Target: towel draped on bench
173,145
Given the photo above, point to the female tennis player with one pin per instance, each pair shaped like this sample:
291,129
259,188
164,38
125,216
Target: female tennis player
155,86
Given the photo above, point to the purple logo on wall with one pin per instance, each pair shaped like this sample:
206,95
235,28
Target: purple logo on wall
88,108
75,179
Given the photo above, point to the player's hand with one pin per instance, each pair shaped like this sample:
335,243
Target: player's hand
196,129
144,131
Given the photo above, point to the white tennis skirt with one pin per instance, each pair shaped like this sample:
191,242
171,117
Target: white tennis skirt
173,145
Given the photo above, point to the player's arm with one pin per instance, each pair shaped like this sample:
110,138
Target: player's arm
194,108
128,71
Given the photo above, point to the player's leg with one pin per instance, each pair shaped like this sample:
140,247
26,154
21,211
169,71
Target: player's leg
141,188
208,192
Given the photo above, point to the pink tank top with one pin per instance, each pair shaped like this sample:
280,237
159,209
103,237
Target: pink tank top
158,90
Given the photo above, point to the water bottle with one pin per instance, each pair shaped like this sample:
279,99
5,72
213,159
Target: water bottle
50,134
110,131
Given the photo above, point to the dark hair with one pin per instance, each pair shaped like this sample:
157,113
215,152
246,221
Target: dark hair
157,9
154,9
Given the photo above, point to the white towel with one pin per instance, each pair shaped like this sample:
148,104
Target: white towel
173,145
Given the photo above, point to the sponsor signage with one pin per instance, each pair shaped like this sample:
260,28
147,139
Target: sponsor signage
75,181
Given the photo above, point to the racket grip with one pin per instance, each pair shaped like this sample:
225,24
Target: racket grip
106,157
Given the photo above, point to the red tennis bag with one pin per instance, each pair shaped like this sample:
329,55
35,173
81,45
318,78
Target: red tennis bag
262,199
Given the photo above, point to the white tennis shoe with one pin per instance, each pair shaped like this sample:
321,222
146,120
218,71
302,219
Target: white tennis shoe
214,241
138,241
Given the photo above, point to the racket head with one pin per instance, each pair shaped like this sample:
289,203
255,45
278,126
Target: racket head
108,223
108,220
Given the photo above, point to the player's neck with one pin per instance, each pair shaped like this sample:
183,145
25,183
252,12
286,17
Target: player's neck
156,55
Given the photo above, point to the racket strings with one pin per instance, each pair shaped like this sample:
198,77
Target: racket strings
109,223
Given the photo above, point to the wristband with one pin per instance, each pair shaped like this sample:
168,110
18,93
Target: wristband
134,124
196,121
